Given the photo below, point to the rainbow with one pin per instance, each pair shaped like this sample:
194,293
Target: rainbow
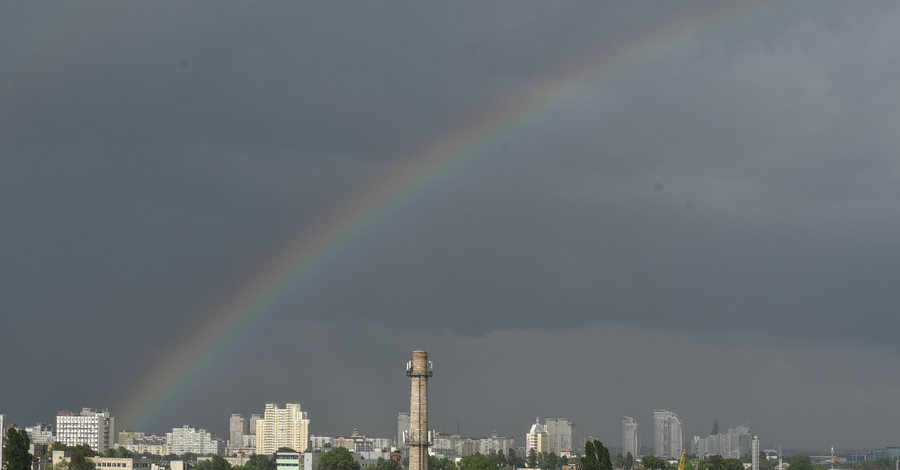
248,302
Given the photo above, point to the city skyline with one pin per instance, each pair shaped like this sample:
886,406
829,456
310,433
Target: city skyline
579,209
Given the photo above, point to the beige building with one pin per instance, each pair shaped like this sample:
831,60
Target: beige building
282,427
108,463
537,439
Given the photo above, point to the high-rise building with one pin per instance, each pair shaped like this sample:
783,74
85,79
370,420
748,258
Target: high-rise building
282,427
253,419
91,427
237,429
197,441
667,438
402,427
631,439
561,432
537,439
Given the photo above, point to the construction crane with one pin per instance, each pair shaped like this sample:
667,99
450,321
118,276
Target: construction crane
683,460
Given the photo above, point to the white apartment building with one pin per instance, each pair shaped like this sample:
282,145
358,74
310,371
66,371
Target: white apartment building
282,427
91,427
197,441
667,438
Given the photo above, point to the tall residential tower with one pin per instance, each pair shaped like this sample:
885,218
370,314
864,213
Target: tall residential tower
631,441
667,438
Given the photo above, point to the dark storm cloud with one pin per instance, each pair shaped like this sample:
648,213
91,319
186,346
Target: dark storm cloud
732,202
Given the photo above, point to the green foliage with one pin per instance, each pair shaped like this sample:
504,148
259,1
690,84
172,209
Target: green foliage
551,462
732,464
79,460
589,461
259,462
477,462
652,462
285,449
383,464
532,458
15,452
338,458
800,463
440,463
714,462
628,464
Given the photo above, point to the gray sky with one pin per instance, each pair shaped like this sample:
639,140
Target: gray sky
706,224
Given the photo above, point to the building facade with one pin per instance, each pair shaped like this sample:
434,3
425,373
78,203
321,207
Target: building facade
91,427
668,441
561,432
732,444
238,427
537,439
402,427
40,433
282,427
631,439
197,441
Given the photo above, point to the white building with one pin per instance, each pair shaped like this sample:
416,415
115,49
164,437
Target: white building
197,441
631,439
91,427
40,433
282,427
667,438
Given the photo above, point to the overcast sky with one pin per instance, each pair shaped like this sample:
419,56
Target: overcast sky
699,211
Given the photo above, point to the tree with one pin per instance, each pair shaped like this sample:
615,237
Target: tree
338,458
714,462
800,463
589,461
285,449
476,462
439,463
551,462
383,464
513,459
629,461
532,458
15,452
79,460
732,464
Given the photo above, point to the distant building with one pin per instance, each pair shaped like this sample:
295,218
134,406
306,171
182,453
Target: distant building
561,432
91,427
282,427
667,438
537,439
402,427
631,439
197,441
139,443
732,444
237,427
321,442
40,433
253,419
